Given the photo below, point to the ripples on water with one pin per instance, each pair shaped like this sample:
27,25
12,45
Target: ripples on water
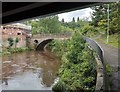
29,71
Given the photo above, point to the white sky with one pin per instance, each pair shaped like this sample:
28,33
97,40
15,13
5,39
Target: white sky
82,13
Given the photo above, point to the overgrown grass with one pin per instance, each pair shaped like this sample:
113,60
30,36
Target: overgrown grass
14,50
112,41
108,70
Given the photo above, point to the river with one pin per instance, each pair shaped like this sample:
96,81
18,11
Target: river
29,70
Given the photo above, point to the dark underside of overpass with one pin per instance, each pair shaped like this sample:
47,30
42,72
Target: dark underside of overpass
17,11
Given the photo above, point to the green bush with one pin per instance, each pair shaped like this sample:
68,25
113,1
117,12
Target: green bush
15,50
11,42
78,71
108,69
59,87
58,46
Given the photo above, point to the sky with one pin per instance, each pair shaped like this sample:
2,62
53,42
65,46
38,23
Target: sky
82,13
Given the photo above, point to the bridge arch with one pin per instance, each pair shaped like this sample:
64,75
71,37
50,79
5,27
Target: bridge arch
41,45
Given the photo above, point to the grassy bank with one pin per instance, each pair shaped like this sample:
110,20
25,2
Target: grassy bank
14,50
78,71
112,41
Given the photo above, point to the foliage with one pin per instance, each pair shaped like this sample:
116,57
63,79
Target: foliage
17,40
63,20
98,25
14,50
49,24
55,44
78,19
113,40
11,42
59,87
73,20
100,17
108,69
78,70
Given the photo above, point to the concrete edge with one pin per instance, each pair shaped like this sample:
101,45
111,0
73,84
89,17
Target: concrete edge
100,79
100,73
102,67
105,78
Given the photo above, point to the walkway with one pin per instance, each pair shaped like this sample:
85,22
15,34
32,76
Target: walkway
111,57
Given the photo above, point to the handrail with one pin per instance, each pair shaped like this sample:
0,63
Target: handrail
94,45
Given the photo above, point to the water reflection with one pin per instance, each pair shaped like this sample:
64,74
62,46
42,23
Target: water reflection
40,67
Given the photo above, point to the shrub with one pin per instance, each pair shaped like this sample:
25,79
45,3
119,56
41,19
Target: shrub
11,42
78,71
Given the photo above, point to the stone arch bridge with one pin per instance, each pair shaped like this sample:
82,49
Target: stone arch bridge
42,42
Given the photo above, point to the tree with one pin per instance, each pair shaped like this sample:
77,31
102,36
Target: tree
72,25
99,17
49,24
78,19
11,42
63,20
114,18
73,20
99,13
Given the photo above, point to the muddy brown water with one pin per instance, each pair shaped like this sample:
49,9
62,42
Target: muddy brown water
29,70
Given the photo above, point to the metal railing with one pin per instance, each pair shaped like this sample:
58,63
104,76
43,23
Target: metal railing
94,45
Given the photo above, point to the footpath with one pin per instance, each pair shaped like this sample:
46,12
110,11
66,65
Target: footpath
111,56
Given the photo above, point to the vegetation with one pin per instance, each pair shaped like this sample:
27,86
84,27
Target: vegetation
14,50
113,40
98,25
11,42
100,17
9,50
78,71
109,70
100,22
49,24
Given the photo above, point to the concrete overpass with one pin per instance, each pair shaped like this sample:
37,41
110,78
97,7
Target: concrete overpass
18,11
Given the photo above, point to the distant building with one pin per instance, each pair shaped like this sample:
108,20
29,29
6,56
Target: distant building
19,30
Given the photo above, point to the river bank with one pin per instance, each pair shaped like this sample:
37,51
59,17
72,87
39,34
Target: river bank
78,69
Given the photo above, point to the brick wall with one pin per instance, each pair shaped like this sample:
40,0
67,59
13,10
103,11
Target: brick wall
13,32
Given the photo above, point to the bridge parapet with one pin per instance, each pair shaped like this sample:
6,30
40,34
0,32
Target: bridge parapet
42,39
41,42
